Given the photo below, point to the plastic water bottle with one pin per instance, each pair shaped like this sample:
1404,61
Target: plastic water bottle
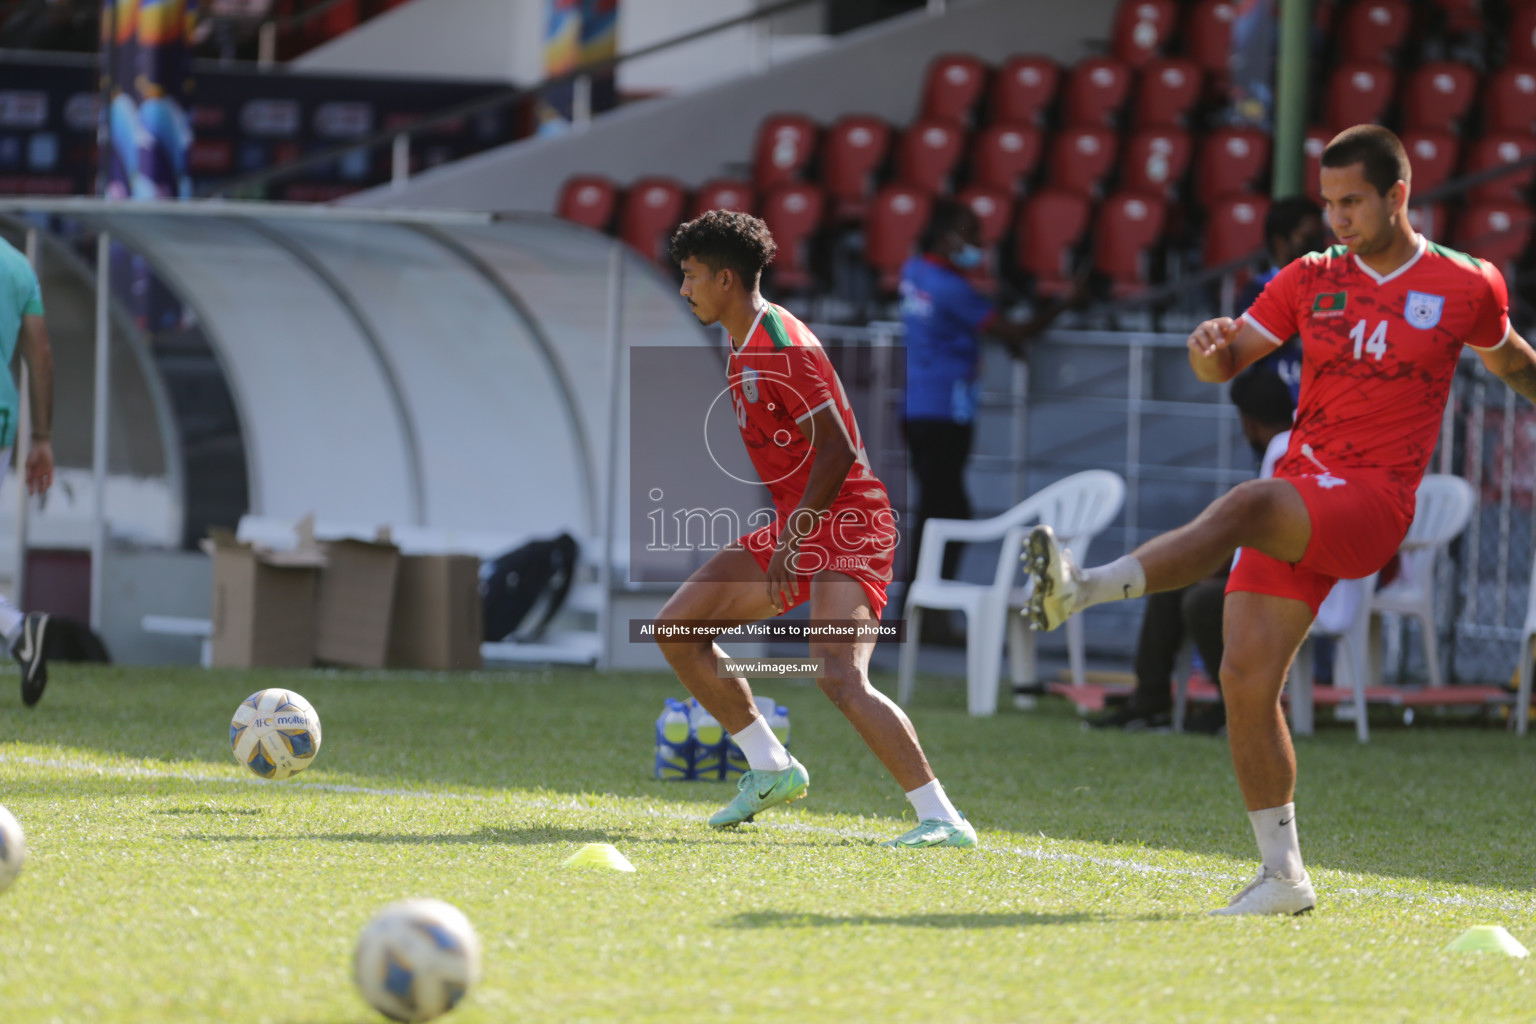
709,742
779,723
674,743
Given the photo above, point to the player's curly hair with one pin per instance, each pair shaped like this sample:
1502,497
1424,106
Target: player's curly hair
726,240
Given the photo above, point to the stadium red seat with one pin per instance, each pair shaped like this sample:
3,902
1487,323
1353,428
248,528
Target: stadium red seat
1096,89
1234,228
1231,160
588,200
793,214
1081,158
1372,30
1166,92
1434,157
1500,150
1024,89
1142,29
1156,161
927,152
1005,155
1358,93
723,194
1522,36
1497,232
852,153
1208,36
1312,161
897,216
785,144
652,208
993,208
1509,100
1128,227
956,81
1051,226
1428,219
1438,95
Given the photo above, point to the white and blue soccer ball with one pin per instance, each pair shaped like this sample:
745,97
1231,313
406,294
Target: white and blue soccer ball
13,849
416,959
275,733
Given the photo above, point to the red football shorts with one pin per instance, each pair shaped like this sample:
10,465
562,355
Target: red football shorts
1359,519
856,540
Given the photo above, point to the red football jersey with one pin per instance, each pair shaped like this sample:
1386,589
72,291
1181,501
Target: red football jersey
1379,352
779,378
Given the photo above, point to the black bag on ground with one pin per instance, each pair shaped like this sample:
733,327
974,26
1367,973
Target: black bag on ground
522,589
68,640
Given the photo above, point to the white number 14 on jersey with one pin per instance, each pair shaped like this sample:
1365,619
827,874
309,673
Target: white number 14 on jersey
1376,345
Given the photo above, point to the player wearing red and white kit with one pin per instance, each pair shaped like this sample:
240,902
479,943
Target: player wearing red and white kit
780,377
831,543
1383,318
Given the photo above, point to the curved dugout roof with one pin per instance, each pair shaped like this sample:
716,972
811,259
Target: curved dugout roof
440,370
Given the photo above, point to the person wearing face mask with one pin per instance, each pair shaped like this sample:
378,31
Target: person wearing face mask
1264,408
945,315
1293,227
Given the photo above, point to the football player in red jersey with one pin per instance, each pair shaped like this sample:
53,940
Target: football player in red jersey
831,543
1383,318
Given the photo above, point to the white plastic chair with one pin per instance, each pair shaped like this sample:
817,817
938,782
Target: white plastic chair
1443,508
1527,652
1351,667
1078,508
1349,663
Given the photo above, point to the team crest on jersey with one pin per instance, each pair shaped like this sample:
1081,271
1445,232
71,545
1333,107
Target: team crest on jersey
749,384
1423,310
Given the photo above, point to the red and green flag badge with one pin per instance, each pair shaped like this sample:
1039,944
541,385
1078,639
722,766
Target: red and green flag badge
1328,302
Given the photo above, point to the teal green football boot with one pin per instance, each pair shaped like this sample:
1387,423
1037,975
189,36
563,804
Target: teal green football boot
933,832
758,791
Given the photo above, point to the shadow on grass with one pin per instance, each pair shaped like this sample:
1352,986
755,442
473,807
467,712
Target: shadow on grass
777,919
537,835
233,811
1411,803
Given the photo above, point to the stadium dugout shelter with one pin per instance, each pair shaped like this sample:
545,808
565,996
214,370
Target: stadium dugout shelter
460,377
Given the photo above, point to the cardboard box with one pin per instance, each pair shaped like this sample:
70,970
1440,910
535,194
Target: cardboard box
356,599
263,604
437,621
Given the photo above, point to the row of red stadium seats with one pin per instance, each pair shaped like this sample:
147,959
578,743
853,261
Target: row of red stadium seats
1369,30
1048,227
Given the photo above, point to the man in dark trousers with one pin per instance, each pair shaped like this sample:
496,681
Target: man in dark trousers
944,315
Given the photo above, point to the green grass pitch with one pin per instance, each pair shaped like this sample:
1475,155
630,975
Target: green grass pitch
165,884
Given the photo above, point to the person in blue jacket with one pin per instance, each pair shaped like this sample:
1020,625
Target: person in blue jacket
945,316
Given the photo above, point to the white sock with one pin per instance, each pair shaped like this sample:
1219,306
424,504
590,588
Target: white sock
764,751
1120,580
931,803
11,619
1275,829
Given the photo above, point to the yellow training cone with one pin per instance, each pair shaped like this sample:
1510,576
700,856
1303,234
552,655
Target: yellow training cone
599,855
1487,938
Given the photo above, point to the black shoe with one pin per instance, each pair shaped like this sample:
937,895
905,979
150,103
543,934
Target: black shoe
28,652
1132,719
1210,720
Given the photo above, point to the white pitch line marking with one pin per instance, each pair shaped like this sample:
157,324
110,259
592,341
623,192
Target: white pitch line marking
1024,852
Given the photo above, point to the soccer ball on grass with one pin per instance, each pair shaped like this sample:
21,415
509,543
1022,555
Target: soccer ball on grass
13,849
416,959
275,733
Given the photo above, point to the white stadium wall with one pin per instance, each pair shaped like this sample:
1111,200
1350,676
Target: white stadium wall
703,133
